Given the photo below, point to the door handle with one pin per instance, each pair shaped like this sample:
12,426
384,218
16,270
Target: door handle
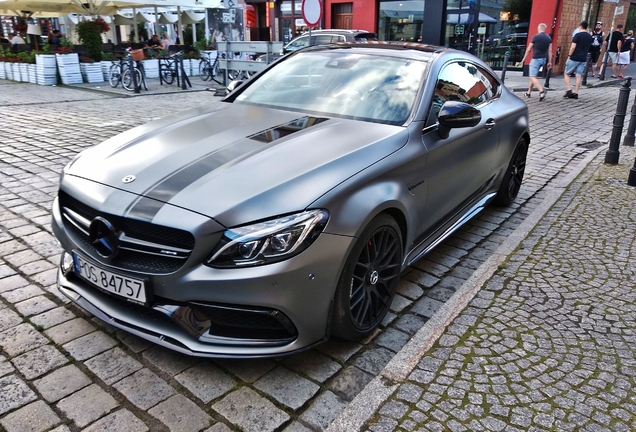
490,123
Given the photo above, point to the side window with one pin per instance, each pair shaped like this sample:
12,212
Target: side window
464,82
299,43
323,39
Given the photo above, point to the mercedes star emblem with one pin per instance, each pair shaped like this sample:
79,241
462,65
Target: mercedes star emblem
104,237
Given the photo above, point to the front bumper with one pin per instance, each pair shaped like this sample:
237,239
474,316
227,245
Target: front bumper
195,310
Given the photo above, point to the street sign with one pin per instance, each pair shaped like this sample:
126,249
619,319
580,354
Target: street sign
619,10
312,12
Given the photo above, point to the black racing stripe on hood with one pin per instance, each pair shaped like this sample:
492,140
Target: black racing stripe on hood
157,195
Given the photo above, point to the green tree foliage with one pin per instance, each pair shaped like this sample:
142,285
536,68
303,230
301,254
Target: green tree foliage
90,34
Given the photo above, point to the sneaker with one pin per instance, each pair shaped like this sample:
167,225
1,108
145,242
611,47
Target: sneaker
567,94
542,95
527,95
573,95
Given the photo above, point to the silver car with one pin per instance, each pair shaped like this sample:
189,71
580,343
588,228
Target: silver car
268,222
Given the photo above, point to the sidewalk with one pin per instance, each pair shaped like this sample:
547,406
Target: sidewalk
542,336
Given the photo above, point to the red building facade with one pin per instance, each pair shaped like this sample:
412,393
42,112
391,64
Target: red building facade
483,27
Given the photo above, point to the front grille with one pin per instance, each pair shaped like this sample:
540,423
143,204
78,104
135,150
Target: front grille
144,247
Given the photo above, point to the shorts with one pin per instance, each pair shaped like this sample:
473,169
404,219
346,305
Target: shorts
614,57
623,59
574,66
535,65
594,55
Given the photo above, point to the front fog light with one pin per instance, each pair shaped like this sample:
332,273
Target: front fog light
66,263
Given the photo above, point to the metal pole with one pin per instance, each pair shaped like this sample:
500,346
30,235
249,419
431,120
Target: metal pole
505,66
611,156
588,60
631,180
628,141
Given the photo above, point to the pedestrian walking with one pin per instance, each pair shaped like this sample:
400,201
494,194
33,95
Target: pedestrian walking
615,43
541,47
598,38
577,56
625,54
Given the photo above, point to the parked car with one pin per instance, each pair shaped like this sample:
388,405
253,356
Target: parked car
327,36
284,214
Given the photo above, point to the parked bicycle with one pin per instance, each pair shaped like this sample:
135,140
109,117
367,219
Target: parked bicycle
121,72
210,70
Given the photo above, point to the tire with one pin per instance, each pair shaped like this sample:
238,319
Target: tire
114,75
369,279
204,70
511,183
167,75
217,73
127,79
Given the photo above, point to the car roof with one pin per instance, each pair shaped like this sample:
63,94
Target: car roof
337,31
401,49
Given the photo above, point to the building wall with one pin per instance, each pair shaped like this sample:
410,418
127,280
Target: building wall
569,13
364,14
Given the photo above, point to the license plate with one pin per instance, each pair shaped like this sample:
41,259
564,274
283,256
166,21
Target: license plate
117,284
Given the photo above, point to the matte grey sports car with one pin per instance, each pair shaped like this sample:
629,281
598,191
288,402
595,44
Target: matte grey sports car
283,215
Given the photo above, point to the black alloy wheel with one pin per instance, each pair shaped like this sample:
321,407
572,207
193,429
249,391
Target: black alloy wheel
513,176
369,280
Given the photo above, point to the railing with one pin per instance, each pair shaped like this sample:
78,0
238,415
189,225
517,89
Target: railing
228,63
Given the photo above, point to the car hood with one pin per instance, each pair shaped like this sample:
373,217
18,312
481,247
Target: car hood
235,163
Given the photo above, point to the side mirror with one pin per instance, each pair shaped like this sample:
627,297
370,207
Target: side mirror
455,114
233,86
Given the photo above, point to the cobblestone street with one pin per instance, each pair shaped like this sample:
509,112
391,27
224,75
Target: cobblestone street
549,342
495,368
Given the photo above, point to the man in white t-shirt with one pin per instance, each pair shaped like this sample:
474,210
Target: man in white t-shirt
14,39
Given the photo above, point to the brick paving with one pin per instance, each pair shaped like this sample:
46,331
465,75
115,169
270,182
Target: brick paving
65,370
549,343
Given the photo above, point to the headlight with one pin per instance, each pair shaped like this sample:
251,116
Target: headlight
269,241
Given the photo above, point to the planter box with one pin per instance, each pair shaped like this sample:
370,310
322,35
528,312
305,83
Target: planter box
194,66
24,71
33,76
106,64
69,68
187,66
3,72
8,70
92,72
151,66
16,71
46,69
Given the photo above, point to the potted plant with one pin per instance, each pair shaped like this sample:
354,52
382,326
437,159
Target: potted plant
151,65
3,61
68,63
191,63
31,68
108,59
91,70
90,34
46,66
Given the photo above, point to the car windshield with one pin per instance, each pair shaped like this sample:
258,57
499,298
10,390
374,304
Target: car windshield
341,83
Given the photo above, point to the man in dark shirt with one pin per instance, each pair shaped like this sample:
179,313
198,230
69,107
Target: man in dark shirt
615,44
577,56
154,43
541,46
597,42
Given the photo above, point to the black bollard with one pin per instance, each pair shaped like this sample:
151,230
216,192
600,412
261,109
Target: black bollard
611,156
588,60
631,180
628,141
505,66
